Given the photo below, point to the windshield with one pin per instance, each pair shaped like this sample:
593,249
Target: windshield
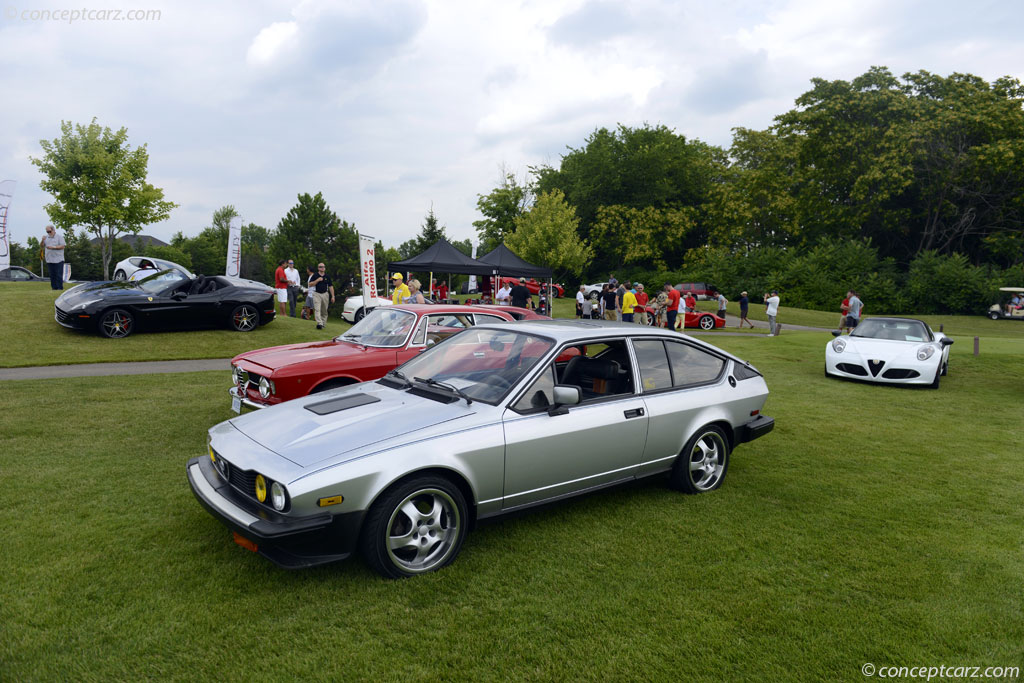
893,330
382,327
483,364
158,282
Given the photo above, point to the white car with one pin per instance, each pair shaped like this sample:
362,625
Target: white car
126,268
594,290
890,351
354,310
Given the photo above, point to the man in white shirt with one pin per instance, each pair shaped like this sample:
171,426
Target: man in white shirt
294,285
581,301
504,295
53,244
772,310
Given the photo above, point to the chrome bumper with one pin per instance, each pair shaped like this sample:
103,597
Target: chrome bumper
246,402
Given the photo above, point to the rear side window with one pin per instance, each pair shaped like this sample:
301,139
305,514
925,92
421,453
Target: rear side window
692,366
653,363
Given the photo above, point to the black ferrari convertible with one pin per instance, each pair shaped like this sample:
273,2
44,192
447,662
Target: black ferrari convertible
168,300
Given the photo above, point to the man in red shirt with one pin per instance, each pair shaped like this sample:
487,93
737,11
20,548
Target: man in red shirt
673,305
641,300
281,285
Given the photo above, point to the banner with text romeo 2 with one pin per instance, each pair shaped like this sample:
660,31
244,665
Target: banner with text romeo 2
368,270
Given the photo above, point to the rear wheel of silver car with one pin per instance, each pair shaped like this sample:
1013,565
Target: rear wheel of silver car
116,323
245,318
417,526
703,463
120,275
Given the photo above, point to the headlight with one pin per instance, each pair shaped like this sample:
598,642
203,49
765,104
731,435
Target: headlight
925,352
266,388
236,374
278,496
85,303
838,344
261,488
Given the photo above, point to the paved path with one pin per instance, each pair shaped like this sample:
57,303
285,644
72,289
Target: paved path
166,366
103,369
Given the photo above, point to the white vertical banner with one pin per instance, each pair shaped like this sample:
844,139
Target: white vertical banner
234,266
6,193
368,268
472,278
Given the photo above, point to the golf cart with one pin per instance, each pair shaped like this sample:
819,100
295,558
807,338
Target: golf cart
1004,309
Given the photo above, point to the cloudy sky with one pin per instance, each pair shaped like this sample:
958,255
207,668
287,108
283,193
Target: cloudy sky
391,107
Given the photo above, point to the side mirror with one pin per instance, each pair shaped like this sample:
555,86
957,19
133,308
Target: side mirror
836,333
565,395
946,341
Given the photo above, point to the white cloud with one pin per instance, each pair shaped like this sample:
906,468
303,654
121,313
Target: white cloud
389,107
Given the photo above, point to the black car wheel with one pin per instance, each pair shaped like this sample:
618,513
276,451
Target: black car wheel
938,374
651,319
702,465
360,314
245,318
415,527
116,323
120,275
706,322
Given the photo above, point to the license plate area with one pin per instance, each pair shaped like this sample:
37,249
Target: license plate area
236,404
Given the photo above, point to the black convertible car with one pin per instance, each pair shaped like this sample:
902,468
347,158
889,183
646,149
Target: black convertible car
168,300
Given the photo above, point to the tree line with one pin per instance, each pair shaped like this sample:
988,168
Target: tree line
908,189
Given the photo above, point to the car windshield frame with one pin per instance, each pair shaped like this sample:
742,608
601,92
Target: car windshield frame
451,362
160,282
875,327
370,331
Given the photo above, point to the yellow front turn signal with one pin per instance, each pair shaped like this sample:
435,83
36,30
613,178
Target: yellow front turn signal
261,488
333,500
213,458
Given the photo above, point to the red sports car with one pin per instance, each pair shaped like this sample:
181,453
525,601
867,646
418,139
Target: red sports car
701,319
534,286
383,340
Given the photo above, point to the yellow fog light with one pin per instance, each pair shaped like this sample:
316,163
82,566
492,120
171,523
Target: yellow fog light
261,488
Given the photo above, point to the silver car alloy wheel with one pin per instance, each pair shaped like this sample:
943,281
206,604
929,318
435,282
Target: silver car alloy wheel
423,530
707,461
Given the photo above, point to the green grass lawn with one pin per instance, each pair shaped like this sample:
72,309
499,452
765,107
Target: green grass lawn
875,524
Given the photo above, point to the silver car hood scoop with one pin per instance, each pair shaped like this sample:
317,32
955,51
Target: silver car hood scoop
366,414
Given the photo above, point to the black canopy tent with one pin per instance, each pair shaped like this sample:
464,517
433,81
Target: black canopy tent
508,263
441,257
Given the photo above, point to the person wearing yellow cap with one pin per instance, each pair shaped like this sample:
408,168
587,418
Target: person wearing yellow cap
401,289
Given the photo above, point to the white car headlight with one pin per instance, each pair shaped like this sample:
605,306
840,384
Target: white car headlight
234,374
925,352
278,496
266,388
838,344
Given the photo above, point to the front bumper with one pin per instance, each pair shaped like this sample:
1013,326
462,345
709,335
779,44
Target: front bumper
289,542
755,429
899,370
245,401
72,321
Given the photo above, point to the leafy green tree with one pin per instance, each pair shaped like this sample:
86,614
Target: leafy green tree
311,232
548,235
500,208
169,253
99,182
635,168
646,236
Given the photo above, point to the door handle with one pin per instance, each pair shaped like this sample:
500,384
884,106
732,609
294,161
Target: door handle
636,412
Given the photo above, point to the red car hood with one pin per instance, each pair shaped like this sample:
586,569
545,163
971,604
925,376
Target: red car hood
277,357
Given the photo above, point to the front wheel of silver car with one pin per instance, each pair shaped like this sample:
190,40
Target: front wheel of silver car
703,463
415,527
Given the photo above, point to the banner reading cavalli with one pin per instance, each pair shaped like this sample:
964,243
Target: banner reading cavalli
234,267
6,193
368,268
